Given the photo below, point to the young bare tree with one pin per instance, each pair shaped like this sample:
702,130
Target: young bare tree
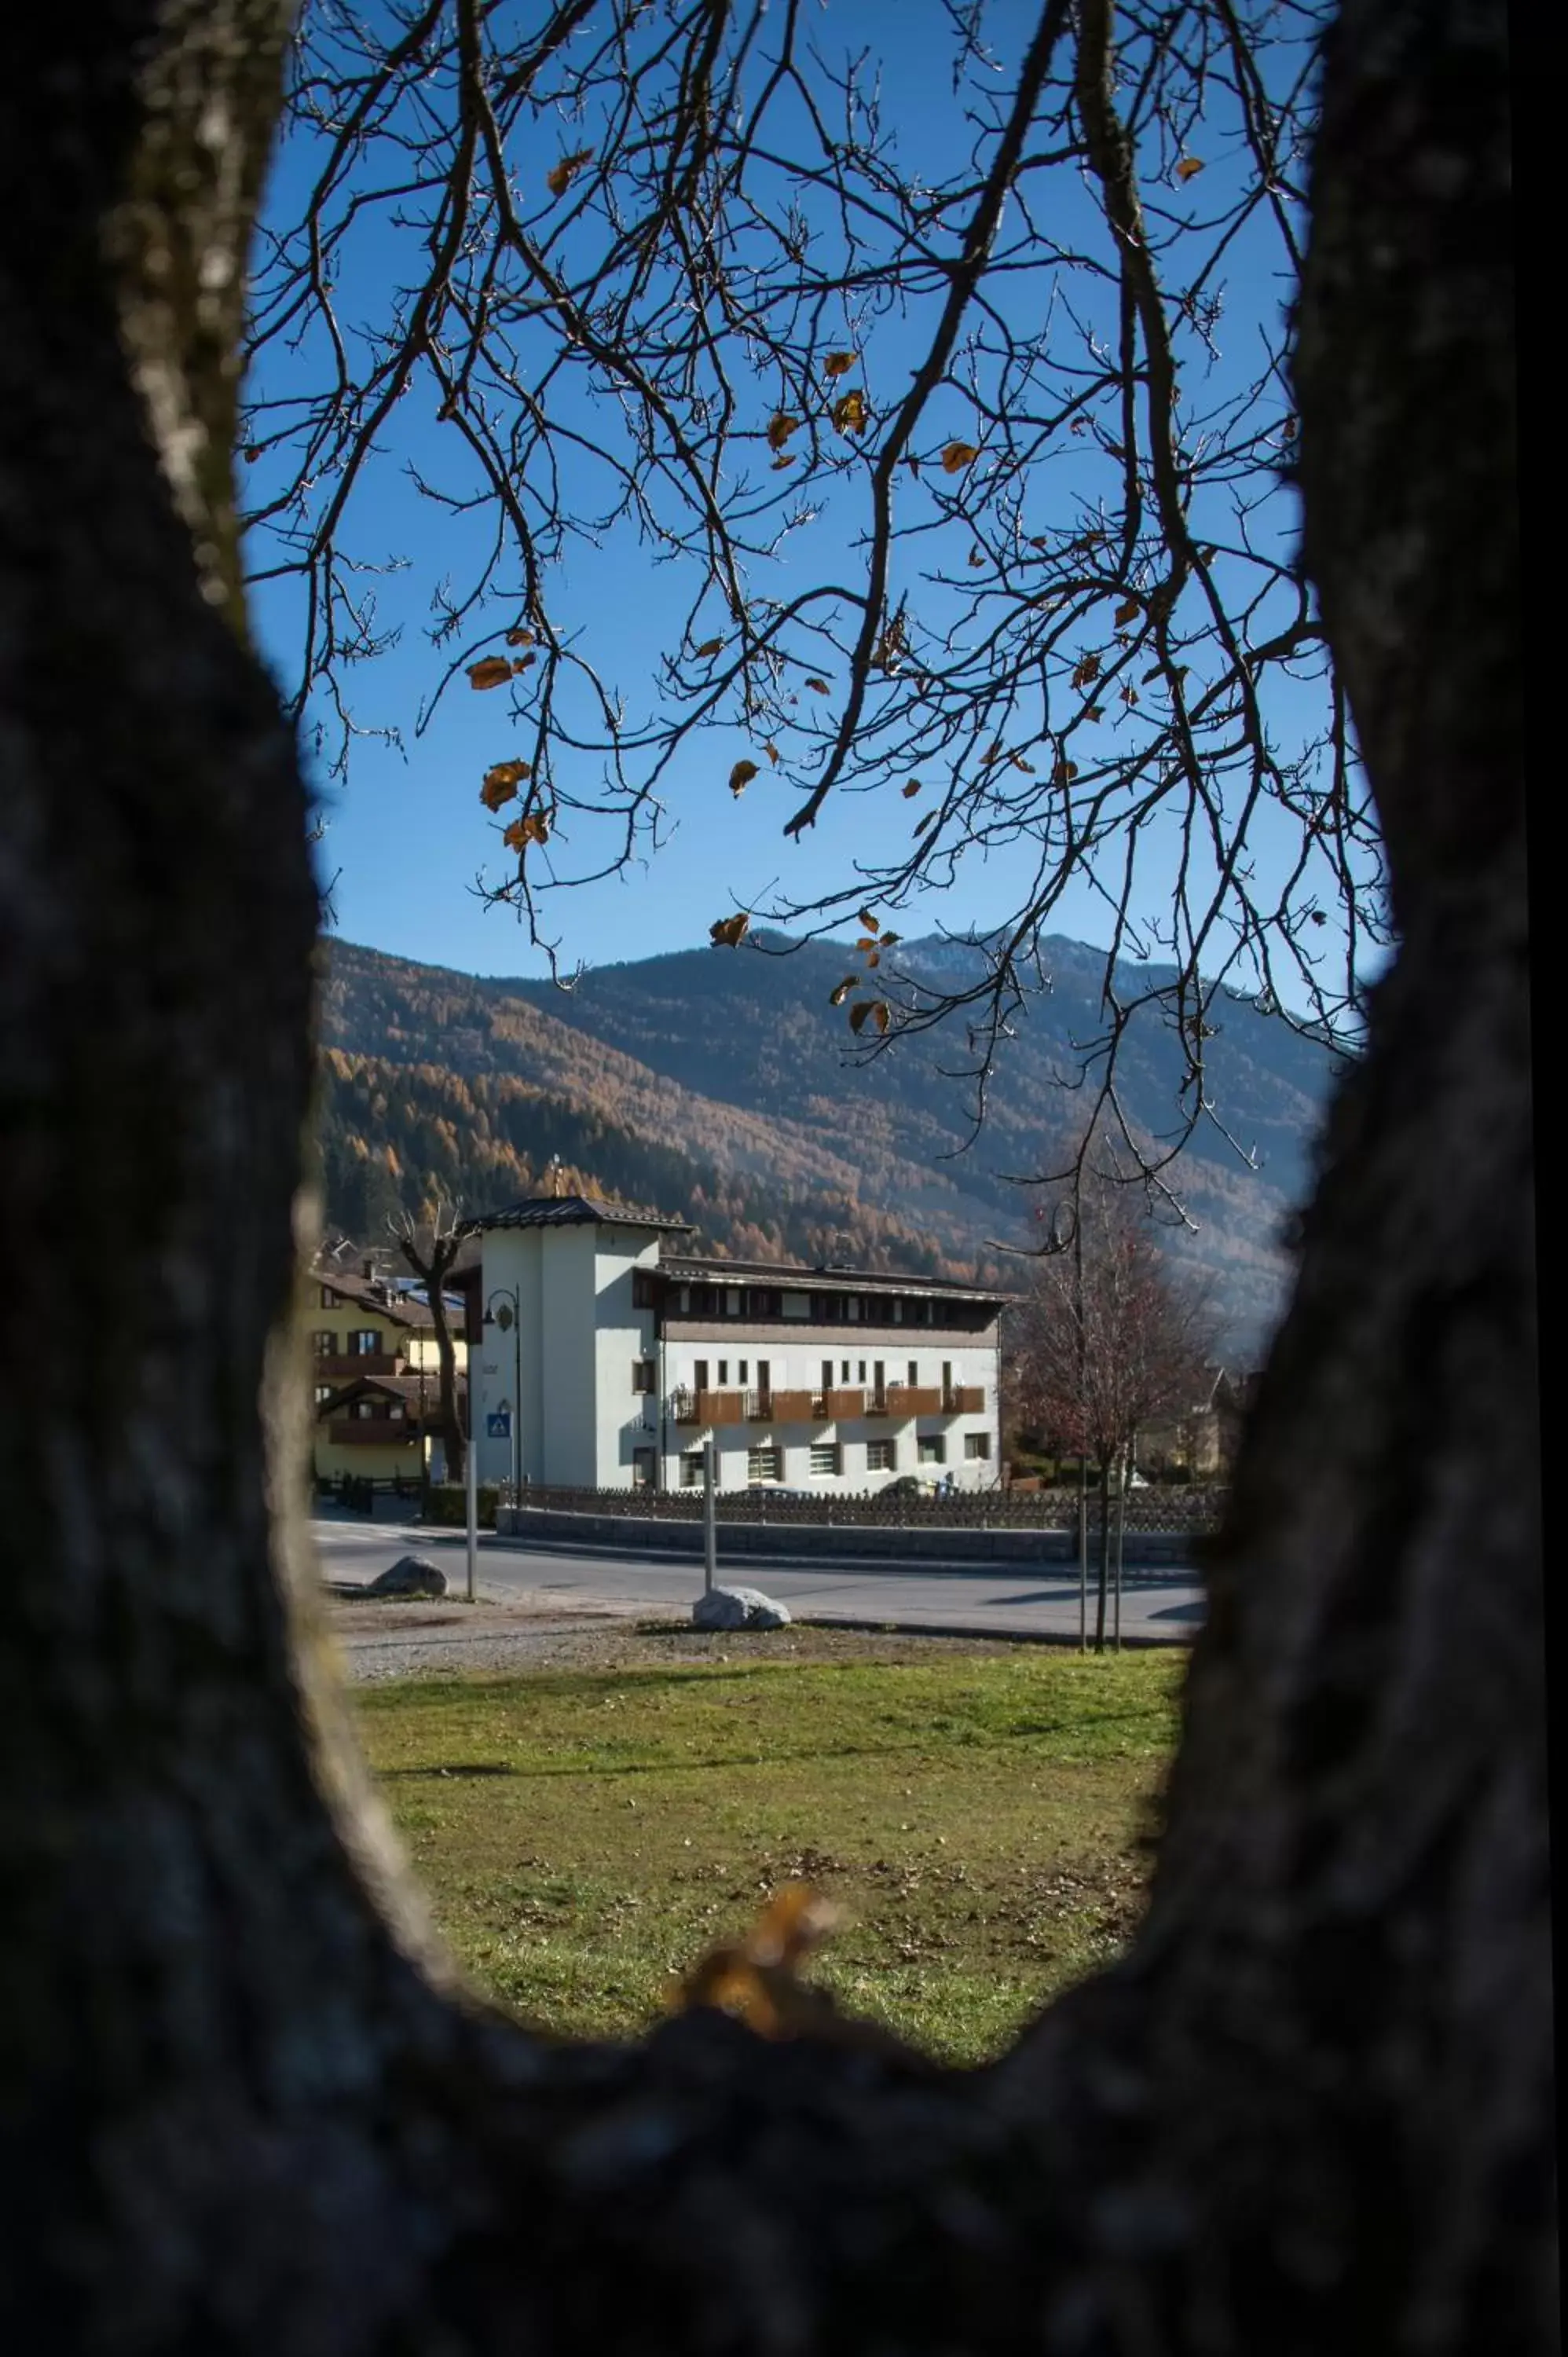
244,2106
1109,1339
431,1247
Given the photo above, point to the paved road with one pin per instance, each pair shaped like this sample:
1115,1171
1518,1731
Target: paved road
1160,1607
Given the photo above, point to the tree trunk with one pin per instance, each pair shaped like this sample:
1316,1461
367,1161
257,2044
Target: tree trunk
239,2109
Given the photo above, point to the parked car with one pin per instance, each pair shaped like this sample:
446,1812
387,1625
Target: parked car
909,1485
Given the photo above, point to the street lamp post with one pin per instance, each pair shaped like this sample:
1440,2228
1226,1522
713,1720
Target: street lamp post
509,1314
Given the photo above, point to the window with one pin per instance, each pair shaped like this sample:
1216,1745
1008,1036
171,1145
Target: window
642,1468
323,1394
365,1410
707,1301
700,1379
691,1469
827,1375
642,1374
765,1465
881,1456
644,1289
827,1457
932,1449
844,1371
723,1372
740,1373
394,1411
946,1377
328,1298
914,1373
764,1380
861,1377
324,1342
977,1443
765,1301
879,1382
364,1342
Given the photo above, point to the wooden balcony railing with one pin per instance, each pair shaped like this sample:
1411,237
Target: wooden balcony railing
845,1403
687,1406
798,1408
906,1399
964,1399
342,1366
368,1431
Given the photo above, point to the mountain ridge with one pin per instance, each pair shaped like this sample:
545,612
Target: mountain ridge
724,1076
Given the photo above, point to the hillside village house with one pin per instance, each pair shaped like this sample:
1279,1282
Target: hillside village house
376,1378
609,1353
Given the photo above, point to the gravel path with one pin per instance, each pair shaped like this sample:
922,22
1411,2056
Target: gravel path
391,1639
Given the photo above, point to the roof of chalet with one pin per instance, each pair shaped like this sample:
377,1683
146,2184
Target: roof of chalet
791,1277
578,1211
373,1293
410,1389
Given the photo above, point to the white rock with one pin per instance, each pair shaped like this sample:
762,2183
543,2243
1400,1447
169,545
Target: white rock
738,1608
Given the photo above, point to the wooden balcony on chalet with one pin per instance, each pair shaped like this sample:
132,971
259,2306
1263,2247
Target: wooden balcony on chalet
369,1431
797,1407
344,1366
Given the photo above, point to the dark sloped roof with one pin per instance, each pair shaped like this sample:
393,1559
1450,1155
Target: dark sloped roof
369,1294
407,1388
578,1211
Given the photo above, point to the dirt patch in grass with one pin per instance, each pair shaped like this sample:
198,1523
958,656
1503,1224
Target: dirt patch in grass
590,1821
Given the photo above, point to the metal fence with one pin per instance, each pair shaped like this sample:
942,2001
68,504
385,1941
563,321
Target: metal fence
1173,1507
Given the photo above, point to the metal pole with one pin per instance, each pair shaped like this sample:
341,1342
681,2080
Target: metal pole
1120,1534
516,1405
710,1520
471,1474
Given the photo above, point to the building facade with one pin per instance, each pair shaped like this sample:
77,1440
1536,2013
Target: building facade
610,1354
374,1367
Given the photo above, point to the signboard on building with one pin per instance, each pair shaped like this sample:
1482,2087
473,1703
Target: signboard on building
498,1425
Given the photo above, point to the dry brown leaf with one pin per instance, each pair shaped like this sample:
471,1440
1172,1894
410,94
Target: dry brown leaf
957,456
729,931
1127,611
780,426
502,782
1065,771
841,991
1088,669
838,364
534,827
710,647
787,460
850,413
520,639
559,180
912,788
1190,167
888,939
771,749
868,920
818,686
493,671
741,776
521,662
977,556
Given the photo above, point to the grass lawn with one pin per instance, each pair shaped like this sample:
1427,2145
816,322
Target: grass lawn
981,1816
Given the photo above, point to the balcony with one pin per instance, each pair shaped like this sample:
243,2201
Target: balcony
369,1432
964,1399
845,1404
342,1366
907,1399
798,1408
709,1408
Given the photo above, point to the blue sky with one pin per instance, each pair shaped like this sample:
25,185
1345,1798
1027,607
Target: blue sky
405,835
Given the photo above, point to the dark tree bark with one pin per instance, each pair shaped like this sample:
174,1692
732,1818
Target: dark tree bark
239,2109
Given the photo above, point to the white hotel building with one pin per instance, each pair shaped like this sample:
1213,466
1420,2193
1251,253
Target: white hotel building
608,1355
